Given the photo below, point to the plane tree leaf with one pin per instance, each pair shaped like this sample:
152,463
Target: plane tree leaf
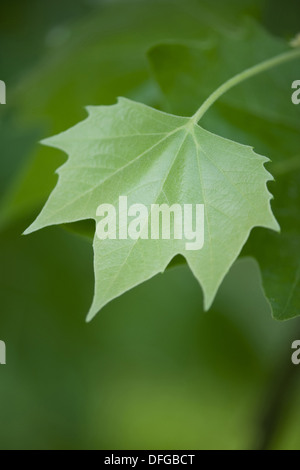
151,157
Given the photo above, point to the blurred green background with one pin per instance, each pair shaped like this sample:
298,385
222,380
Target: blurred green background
152,371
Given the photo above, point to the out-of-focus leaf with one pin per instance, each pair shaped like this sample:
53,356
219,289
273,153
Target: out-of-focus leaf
279,254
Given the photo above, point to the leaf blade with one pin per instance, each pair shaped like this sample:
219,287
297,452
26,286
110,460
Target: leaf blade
158,158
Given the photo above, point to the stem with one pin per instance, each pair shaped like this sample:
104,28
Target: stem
277,401
240,77
277,405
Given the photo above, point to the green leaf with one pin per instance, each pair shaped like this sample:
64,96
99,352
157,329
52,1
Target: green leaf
152,157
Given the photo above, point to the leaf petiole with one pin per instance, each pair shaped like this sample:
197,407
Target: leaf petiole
240,77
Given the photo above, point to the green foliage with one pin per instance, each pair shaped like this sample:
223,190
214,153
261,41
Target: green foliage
152,370
179,71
